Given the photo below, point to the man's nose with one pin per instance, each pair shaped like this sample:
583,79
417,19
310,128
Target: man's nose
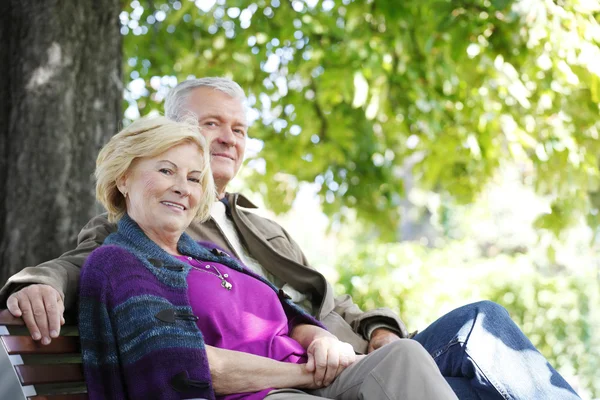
226,136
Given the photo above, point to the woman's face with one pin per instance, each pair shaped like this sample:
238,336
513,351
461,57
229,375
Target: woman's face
163,192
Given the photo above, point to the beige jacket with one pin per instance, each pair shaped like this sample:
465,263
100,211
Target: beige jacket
266,241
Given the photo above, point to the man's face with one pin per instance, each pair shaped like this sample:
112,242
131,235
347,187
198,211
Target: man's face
223,122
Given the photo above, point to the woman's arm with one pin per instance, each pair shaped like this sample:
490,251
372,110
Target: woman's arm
305,334
238,372
327,355
101,360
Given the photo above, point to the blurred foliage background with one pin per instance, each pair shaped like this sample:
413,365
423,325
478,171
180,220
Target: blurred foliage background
452,144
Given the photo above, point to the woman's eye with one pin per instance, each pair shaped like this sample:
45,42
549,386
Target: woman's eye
165,171
195,180
210,123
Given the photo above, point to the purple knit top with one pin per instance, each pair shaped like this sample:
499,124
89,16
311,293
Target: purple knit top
247,318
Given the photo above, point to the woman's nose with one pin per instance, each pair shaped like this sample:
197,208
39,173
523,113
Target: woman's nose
181,187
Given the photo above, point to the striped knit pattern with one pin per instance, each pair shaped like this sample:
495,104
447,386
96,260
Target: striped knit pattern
127,352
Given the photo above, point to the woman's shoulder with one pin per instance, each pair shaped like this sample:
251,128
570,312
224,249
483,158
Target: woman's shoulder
109,255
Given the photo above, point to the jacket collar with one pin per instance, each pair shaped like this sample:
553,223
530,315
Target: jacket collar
240,200
131,237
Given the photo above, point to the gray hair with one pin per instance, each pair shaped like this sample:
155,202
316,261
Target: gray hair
177,96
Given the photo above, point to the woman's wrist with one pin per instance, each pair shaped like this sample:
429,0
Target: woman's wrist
292,375
305,378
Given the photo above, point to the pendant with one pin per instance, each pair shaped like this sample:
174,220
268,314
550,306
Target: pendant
226,284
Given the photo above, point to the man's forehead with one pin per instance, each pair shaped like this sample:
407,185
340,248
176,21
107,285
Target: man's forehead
231,111
210,95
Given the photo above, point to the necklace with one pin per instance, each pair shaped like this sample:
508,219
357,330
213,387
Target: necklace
208,269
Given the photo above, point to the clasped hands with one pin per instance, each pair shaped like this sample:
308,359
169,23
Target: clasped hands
327,358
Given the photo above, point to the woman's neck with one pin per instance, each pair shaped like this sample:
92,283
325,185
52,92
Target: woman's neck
165,240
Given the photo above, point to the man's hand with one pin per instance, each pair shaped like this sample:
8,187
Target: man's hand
41,307
380,337
327,358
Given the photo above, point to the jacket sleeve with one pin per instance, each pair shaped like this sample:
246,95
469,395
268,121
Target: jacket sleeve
359,320
99,348
63,272
364,322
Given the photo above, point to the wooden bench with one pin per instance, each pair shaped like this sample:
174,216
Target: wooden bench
31,371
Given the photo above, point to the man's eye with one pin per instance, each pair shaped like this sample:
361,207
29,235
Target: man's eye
210,123
240,132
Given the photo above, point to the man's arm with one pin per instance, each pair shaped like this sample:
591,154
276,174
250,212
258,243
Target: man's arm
366,322
62,273
379,326
37,293
341,316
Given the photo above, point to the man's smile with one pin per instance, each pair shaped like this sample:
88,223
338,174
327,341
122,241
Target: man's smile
223,155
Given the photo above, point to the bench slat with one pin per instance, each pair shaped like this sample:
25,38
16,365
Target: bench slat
26,345
6,318
40,374
80,396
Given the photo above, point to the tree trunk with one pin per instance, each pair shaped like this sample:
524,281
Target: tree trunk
60,101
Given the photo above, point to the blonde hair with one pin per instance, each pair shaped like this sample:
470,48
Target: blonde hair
148,137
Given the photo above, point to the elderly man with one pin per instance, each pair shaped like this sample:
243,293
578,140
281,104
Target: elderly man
478,348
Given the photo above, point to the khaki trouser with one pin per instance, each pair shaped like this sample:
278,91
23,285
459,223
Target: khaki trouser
401,370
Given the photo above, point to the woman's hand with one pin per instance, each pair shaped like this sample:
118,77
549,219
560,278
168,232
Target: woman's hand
327,358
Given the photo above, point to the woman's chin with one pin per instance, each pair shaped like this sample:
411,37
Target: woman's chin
175,227
170,226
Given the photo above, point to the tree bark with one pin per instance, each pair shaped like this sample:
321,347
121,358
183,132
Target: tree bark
60,101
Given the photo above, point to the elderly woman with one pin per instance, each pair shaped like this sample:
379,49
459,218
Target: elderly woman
164,317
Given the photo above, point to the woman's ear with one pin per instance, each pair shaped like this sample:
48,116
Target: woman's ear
122,185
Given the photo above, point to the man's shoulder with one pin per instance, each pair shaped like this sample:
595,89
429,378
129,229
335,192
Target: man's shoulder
268,228
101,221
96,230
251,211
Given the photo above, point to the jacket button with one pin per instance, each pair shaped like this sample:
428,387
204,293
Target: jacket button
219,253
182,383
284,294
155,262
167,315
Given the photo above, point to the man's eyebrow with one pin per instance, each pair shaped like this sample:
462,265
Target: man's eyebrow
213,116
218,117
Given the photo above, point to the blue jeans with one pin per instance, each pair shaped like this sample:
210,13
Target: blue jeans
484,355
